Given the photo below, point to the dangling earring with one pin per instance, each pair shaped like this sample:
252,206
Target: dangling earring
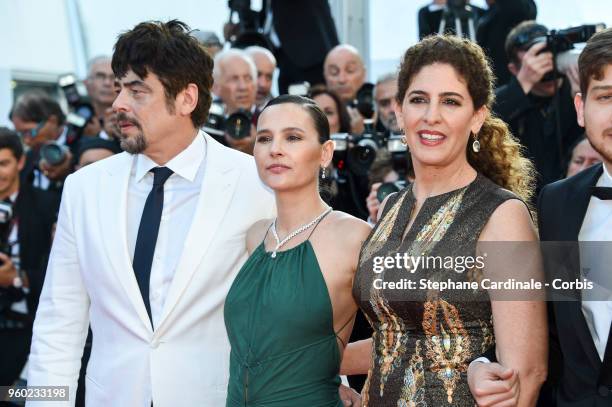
322,172
476,144
403,140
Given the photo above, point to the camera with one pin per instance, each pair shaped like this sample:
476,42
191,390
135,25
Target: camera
560,43
389,188
364,100
237,125
456,14
10,294
248,26
53,153
399,155
81,110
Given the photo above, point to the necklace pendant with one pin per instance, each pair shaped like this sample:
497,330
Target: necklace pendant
273,255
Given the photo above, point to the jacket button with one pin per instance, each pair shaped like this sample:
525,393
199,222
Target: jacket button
603,390
154,344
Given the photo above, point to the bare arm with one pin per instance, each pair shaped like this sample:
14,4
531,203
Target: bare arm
520,326
357,358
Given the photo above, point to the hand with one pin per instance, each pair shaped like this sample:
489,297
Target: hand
372,202
534,66
493,385
349,396
7,271
357,126
57,172
572,74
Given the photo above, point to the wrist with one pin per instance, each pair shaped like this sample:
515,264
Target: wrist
525,84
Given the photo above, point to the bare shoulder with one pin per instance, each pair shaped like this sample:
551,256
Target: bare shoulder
348,229
510,221
255,234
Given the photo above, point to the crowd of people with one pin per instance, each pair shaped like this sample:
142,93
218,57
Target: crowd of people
197,232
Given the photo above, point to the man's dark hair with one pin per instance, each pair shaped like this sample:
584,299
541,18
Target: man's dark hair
520,36
596,55
9,139
170,52
37,106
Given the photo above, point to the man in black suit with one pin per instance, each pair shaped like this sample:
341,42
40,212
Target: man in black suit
579,209
26,237
302,32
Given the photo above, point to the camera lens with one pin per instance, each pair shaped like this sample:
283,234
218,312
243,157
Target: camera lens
53,154
385,190
238,125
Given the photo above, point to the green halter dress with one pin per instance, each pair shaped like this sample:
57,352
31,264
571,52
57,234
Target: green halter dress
279,321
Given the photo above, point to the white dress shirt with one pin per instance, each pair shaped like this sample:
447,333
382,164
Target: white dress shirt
181,192
595,261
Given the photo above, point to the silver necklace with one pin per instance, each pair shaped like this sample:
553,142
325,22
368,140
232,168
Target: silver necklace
296,232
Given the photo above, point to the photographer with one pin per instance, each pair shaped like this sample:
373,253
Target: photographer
39,121
235,83
100,84
345,74
384,96
527,104
266,65
26,241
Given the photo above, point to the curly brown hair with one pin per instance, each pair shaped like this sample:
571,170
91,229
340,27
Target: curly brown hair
501,158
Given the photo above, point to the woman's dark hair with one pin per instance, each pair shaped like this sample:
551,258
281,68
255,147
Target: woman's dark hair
501,157
10,140
319,119
170,52
343,115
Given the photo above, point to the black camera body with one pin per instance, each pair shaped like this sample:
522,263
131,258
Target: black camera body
364,100
81,109
389,188
237,125
560,42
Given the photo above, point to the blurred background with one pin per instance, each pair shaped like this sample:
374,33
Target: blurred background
43,39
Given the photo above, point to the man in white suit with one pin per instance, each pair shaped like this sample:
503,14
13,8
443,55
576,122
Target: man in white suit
149,241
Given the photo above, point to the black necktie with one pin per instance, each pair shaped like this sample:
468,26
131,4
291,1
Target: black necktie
147,233
603,193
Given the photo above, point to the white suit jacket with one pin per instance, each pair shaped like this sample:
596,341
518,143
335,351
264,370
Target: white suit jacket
90,280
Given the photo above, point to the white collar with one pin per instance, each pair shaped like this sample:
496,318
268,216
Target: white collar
185,164
606,178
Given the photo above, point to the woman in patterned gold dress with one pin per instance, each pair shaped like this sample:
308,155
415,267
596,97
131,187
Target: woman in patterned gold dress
471,185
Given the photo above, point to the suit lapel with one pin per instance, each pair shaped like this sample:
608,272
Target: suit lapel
113,213
578,198
577,202
218,184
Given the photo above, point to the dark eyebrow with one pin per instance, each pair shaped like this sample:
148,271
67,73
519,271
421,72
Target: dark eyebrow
421,92
136,82
286,129
601,87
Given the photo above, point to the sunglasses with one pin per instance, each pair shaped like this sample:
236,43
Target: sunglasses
32,133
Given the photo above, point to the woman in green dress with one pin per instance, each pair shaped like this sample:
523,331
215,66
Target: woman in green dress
290,310
471,185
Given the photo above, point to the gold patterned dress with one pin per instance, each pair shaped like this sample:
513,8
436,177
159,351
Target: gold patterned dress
424,337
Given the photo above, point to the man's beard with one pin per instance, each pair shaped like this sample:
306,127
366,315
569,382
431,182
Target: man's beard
135,144
605,153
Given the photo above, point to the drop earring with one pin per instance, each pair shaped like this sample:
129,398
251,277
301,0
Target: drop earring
476,144
403,140
322,172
